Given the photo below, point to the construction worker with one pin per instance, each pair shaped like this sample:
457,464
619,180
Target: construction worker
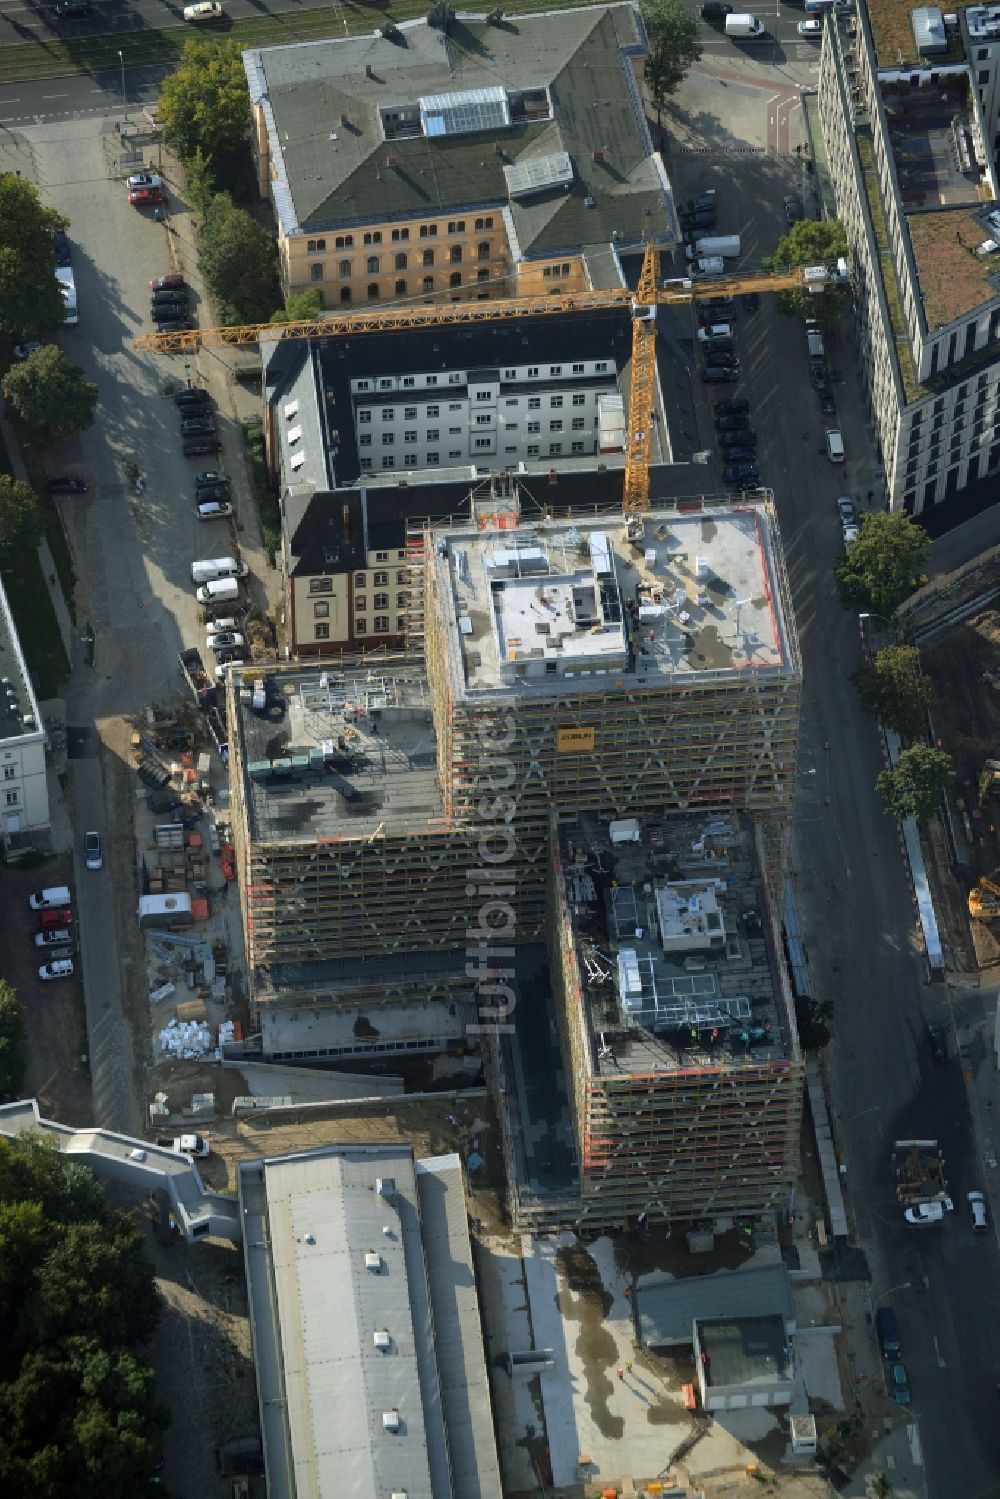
621,1373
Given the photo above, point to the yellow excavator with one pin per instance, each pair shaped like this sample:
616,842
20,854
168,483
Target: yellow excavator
984,899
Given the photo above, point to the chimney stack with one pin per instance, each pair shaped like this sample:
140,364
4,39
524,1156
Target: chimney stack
344,120
598,153
390,161
346,515
368,70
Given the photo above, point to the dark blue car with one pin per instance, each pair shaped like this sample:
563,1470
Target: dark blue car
740,473
739,455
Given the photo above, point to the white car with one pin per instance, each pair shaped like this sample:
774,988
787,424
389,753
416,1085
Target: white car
223,667
221,626
24,351
59,968
977,1211
929,1212
143,179
214,509
59,936
850,533
812,27
205,10
92,854
715,330
225,640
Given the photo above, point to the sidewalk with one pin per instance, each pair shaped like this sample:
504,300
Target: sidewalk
45,561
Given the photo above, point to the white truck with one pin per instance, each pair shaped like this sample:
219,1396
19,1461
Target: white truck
744,26
727,245
185,1144
707,265
67,285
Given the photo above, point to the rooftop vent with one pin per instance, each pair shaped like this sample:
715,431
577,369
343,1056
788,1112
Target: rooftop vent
385,1186
368,70
598,153
390,1420
373,1262
390,160
383,1342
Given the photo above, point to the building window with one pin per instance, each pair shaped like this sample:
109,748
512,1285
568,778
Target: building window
984,75
388,461
579,399
381,556
432,459
381,624
555,369
457,226
400,288
344,242
579,422
322,632
410,436
484,418
373,265
484,223
428,257
433,434
10,772
534,403
366,463
534,426
364,416
360,601
555,448
375,238
432,411
532,450
316,271
401,261
556,402
409,460
321,611
428,231
483,275
455,254
365,440
400,234
373,291
12,798
409,412
343,269
455,279
483,249
578,447
381,601
402,599
361,627
388,438
428,283
388,413
315,246
484,442
359,580
381,580
601,366
578,369
556,426
345,293
532,371
320,585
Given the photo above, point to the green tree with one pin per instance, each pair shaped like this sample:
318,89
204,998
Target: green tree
811,242
239,262
673,47
49,394
881,1486
812,1020
94,1280
913,787
205,107
21,528
894,689
299,307
201,180
880,568
11,1014
30,300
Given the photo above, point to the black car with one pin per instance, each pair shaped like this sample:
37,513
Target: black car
722,361
715,12
817,374
66,10
194,446
704,219
211,492
731,421
937,1041
67,484
196,426
827,404
743,454
693,205
168,298
173,324
715,376
717,310
192,395
745,436
793,208
740,473
166,312
210,476
60,247
737,406
750,300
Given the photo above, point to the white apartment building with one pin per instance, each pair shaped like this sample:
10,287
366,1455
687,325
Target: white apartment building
911,146
24,796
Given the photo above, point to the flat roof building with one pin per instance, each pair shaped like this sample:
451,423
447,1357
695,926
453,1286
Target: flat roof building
364,1315
23,742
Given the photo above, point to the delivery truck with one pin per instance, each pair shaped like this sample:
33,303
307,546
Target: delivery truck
727,245
744,27
707,265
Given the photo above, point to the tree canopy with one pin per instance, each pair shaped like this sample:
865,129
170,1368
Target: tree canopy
811,242
50,394
893,689
205,107
914,786
299,306
11,1024
77,1409
673,47
30,300
881,567
239,262
21,522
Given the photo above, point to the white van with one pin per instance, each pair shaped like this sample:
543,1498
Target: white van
208,569
47,900
219,591
834,445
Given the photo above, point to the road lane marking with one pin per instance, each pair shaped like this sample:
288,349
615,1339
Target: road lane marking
913,1437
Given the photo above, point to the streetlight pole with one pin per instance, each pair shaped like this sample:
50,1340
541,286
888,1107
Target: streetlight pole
121,59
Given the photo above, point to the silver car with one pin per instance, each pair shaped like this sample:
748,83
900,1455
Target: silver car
977,1212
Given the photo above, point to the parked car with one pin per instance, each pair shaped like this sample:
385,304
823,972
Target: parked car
721,307
173,324
745,436
67,484
740,473
68,10
735,406
210,476
977,1212
750,301
722,359
92,855
49,898
221,626
165,283
23,351
739,454
60,916
849,534
811,27
143,179
793,208
732,422
166,312
702,218
205,494
225,640
714,11
846,511
172,297
817,374
213,509
60,936
719,376
928,1212
195,446
195,426
144,197
900,1384
715,330
59,968
192,395
226,663
937,1041
827,405
205,10
703,200
60,244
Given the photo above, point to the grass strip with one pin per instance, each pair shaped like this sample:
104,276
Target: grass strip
54,57
265,498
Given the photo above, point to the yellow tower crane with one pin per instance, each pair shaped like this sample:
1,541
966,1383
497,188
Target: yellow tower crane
648,295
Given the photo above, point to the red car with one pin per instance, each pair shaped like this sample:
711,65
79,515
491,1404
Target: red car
142,197
61,916
166,283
